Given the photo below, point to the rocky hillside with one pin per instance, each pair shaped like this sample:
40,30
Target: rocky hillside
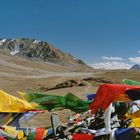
40,50
135,67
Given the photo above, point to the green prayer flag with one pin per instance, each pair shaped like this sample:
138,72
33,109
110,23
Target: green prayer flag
131,82
53,102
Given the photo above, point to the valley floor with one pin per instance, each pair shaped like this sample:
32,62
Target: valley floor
20,74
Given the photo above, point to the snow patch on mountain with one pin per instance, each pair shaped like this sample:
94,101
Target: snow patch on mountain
36,41
2,42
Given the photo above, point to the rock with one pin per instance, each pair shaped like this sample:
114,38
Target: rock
135,67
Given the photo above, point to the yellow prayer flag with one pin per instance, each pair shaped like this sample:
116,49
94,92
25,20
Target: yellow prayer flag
135,122
11,131
133,115
9,103
20,134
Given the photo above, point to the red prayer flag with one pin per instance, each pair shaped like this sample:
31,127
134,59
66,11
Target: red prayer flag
2,138
108,93
39,133
82,137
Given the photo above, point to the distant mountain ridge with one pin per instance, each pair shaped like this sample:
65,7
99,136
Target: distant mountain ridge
40,50
135,67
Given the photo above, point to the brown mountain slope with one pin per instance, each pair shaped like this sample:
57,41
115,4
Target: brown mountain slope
42,51
17,73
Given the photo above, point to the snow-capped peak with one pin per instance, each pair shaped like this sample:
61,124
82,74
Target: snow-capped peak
74,58
2,41
36,41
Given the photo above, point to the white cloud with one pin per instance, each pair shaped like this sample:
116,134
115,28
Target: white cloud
134,59
111,65
112,58
138,51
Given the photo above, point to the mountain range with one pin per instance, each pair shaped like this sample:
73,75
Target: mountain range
135,67
41,51
28,63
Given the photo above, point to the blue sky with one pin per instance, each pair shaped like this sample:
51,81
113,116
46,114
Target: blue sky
103,33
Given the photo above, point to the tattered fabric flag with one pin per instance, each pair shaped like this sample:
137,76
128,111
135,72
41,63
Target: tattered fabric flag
124,134
135,119
20,134
82,137
53,102
108,93
135,123
14,121
47,102
11,131
75,104
3,133
91,96
28,115
131,82
31,134
133,115
9,103
134,93
39,133
2,138
11,119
